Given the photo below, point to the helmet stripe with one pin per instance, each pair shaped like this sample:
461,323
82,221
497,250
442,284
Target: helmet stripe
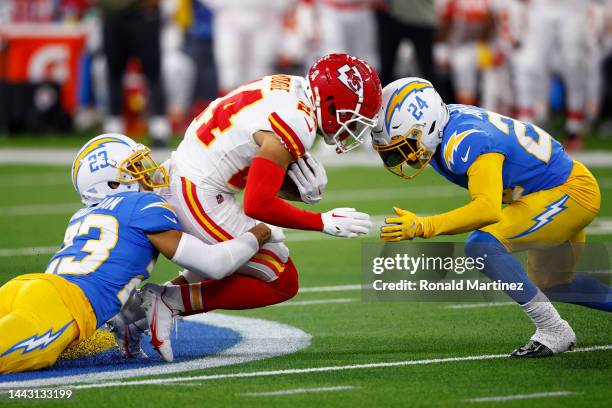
399,96
88,149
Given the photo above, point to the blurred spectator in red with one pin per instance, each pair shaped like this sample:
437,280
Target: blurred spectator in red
413,20
465,29
131,28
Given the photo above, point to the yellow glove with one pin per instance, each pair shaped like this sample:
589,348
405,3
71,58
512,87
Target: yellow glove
406,226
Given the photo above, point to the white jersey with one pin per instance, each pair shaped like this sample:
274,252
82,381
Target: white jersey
218,147
510,16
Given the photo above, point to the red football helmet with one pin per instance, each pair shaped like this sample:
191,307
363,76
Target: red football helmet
347,97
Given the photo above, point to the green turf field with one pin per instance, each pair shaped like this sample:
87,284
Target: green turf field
37,202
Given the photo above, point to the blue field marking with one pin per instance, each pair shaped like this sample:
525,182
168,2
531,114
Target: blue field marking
195,340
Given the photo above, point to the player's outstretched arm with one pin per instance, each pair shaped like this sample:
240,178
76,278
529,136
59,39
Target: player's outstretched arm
261,199
486,187
210,261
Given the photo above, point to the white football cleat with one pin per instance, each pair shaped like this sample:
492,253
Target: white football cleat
548,342
127,336
160,319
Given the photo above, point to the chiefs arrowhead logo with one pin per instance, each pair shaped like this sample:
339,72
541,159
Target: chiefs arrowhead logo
351,78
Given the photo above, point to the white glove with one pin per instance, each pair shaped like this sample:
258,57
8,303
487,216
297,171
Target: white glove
346,222
310,179
277,235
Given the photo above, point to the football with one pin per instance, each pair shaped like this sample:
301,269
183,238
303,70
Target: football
289,191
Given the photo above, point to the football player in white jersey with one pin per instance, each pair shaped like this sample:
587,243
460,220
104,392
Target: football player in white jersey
247,140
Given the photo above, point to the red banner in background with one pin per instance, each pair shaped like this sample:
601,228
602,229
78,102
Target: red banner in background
44,52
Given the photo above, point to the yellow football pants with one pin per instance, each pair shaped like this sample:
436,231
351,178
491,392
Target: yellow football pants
37,323
550,225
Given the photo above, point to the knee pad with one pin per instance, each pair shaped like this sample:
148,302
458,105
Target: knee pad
268,263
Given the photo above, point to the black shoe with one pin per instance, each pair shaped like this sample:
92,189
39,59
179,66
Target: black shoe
532,349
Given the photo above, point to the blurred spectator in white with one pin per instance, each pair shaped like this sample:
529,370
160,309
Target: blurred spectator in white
179,69
299,39
413,20
246,38
463,35
93,92
605,127
496,59
595,57
197,21
556,41
131,28
347,26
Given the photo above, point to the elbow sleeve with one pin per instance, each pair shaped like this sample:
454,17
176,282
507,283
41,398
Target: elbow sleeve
215,261
263,184
262,203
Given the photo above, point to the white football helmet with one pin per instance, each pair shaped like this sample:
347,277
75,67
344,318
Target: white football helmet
411,121
112,163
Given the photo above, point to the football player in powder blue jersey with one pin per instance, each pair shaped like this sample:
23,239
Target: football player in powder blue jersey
550,199
109,248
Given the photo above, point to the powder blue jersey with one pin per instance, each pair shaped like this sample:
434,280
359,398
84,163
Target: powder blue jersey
533,161
106,251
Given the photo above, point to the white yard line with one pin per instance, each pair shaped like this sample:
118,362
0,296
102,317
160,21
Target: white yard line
251,374
186,384
480,305
34,251
37,179
315,302
521,396
336,288
297,391
39,209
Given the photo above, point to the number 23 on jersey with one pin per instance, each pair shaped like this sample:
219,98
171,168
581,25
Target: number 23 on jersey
97,249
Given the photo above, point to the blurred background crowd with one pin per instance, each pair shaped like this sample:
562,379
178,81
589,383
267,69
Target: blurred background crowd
149,66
